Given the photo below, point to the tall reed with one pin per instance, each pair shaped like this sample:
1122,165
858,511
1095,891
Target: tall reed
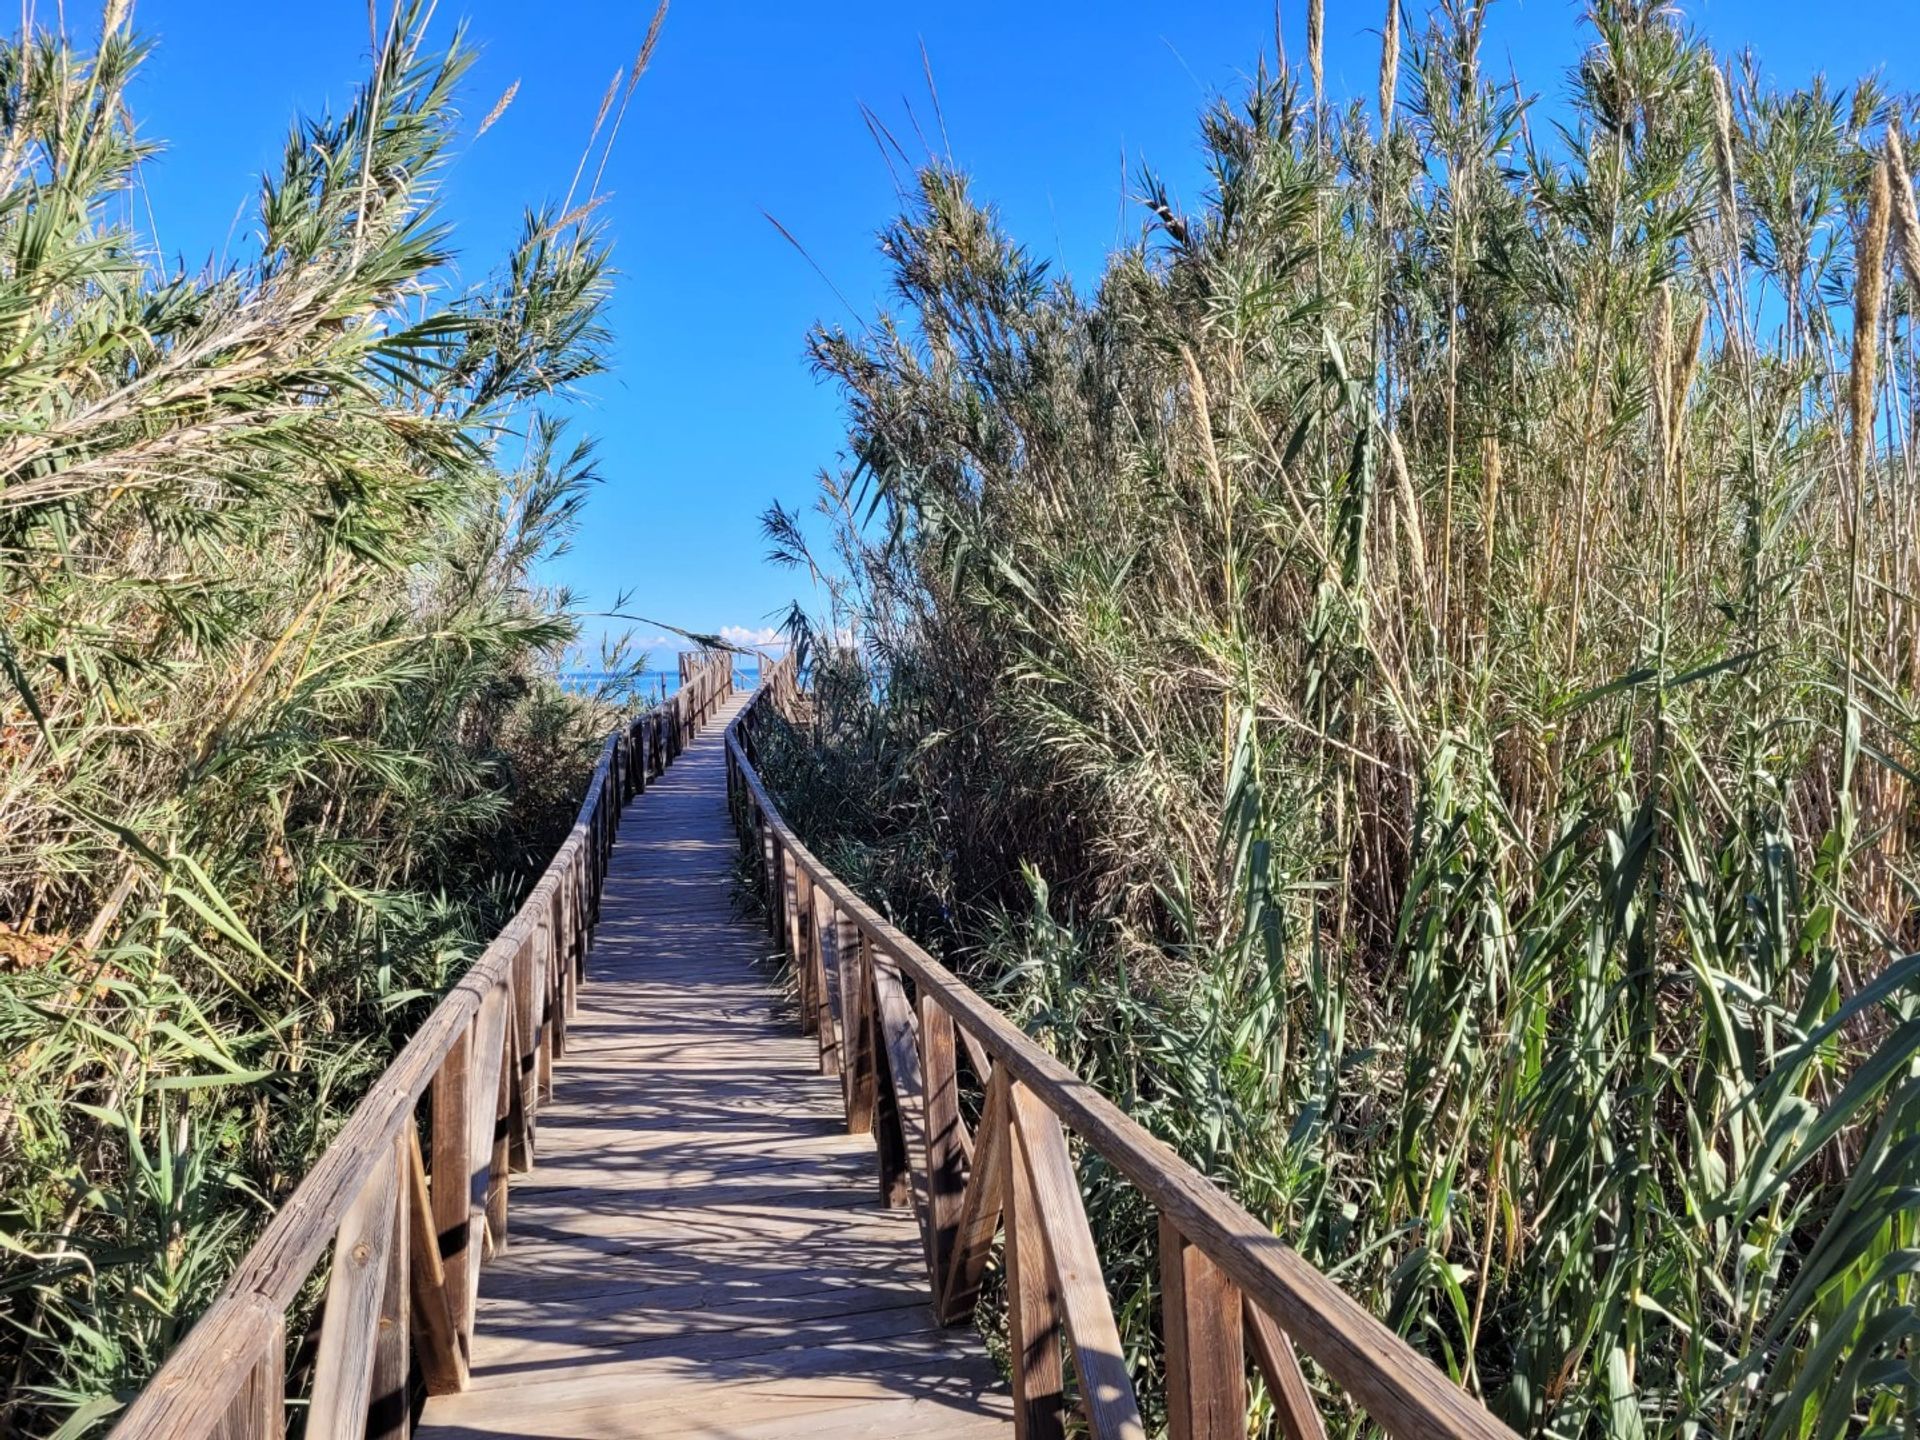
281,735
1539,504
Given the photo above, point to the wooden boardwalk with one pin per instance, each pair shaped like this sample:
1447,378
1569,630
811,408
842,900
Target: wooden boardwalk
700,1250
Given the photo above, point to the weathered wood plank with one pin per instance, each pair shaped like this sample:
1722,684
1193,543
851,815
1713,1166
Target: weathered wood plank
259,1410
436,1333
949,1154
907,1085
1293,1403
1200,1323
343,1369
980,1211
797,908
1035,1313
452,1179
486,1107
859,1078
1106,1390
515,1104
824,982
390,1400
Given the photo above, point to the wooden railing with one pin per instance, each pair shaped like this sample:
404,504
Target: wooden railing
904,1035
411,1220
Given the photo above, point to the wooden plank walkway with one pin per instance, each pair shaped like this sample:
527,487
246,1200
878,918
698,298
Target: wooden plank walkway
700,1250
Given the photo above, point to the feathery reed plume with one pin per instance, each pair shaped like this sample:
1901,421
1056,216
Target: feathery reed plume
1869,290
586,151
1409,506
1389,66
1445,827
1492,466
246,661
1723,153
640,63
1685,367
652,39
1316,35
499,109
1906,222
1660,378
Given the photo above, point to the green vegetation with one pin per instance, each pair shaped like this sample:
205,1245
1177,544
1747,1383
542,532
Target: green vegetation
1410,685
282,739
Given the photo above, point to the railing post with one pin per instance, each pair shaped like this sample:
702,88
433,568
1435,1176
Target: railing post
947,1145
856,1025
553,1016
259,1410
776,886
483,1124
826,1021
798,907
1293,1404
501,1160
1035,1321
443,1362
889,1126
1206,1363
770,869
452,1106
343,1368
523,1056
957,1290
389,1412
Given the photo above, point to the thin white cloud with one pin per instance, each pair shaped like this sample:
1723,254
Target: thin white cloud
750,637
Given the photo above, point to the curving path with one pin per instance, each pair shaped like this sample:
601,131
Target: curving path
700,1250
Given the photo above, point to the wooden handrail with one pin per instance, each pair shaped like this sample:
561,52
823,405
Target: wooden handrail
1230,1286
410,1225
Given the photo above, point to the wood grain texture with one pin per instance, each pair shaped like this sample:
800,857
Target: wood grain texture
949,1152
194,1393
1293,1403
259,1410
452,1173
1035,1312
436,1336
1106,1390
857,1079
699,1250
678,1277
980,1209
390,1398
349,1333
485,1157
1206,1362
826,982
900,1045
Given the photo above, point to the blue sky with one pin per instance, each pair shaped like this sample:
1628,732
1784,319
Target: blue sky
751,108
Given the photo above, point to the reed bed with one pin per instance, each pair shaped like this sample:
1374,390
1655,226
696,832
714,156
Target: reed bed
1409,683
282,739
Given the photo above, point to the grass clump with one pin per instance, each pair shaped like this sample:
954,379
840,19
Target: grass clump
1410,684
283,741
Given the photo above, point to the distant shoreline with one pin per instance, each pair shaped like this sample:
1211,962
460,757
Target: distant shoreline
651,683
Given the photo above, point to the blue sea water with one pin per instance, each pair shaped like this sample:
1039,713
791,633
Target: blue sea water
655,685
